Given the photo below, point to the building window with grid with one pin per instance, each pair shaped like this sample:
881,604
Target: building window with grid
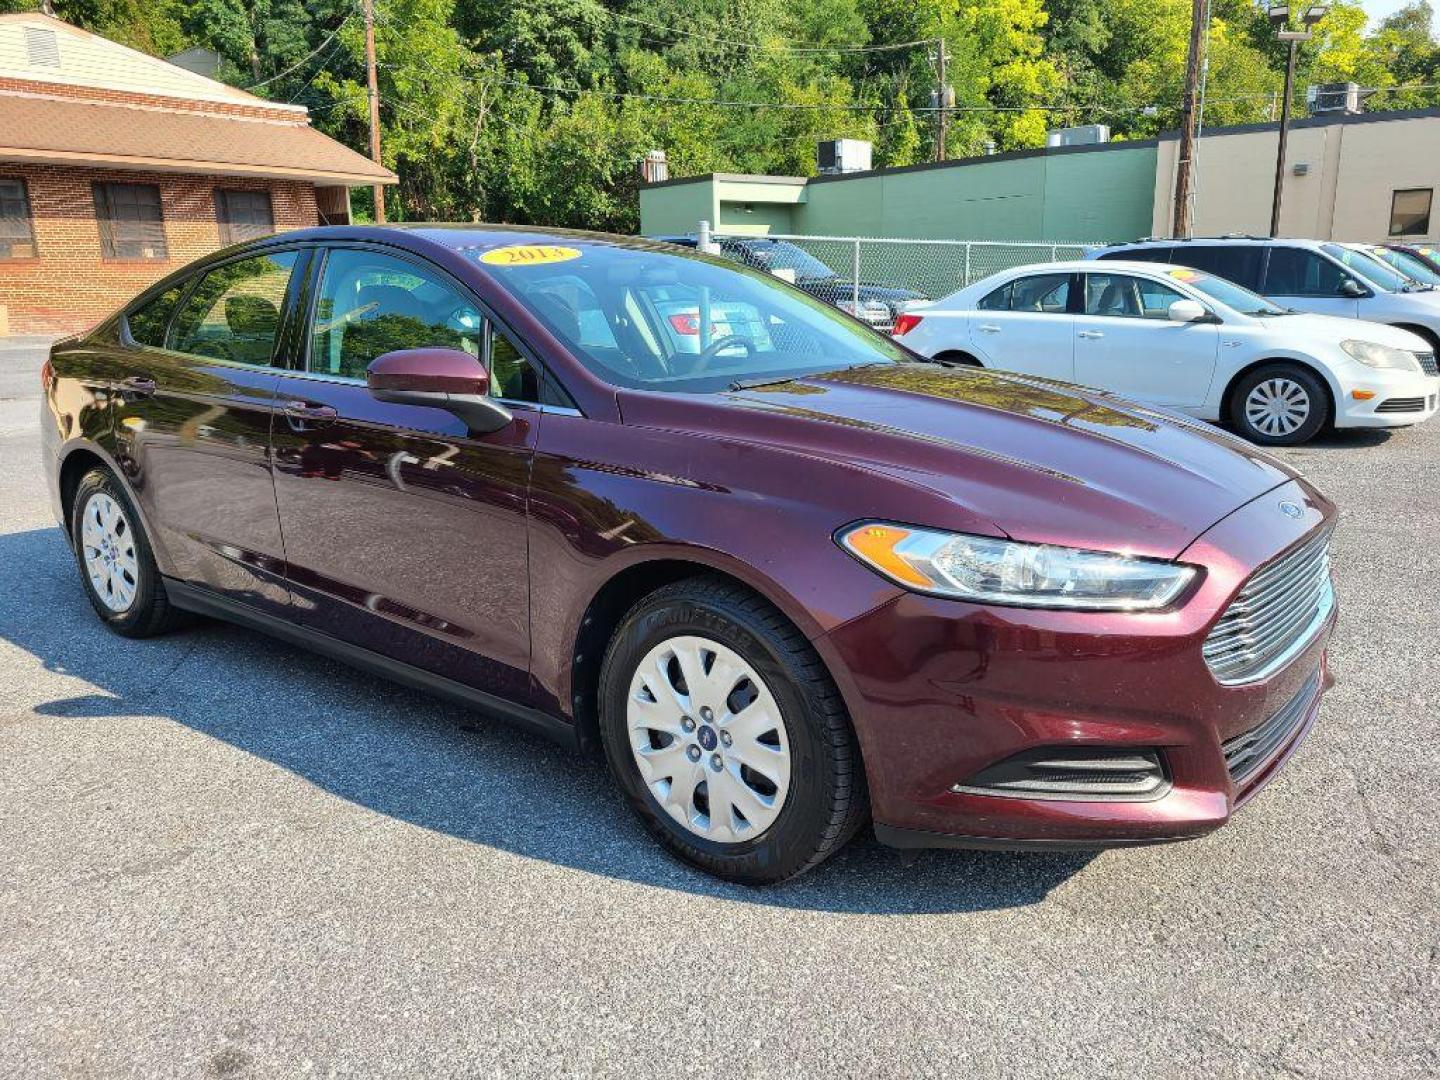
244,215
131,224
17,236
1410,212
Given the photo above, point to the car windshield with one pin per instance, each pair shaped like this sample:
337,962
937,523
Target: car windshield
1407,264
781,255
653,319
1372,270
1236,297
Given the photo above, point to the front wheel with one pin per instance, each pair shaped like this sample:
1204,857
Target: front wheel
727,736
1279,405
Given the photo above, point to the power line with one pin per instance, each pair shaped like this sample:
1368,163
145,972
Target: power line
304,59
805,47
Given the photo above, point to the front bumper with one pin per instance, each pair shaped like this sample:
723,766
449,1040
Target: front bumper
942,690
1398,399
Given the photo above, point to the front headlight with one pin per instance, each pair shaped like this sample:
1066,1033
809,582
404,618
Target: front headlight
1381,356
986,570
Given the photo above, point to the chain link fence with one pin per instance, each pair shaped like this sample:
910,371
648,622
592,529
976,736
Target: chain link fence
876,277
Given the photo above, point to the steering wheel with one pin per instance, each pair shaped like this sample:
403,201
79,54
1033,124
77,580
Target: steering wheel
711,351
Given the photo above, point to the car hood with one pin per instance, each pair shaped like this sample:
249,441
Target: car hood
1332,330
1039,461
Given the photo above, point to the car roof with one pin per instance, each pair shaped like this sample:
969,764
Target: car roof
465,236
1086,266
1183,241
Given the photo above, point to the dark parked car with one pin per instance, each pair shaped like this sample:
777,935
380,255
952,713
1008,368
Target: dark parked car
790,578
878,305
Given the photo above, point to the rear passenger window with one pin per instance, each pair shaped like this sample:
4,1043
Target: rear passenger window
1297,272
999,300
1239,263
234,312
1049,293
148,324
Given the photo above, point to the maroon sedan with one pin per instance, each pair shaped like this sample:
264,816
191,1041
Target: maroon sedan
791,578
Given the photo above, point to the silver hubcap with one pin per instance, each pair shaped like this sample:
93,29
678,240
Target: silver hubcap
107,546
709,739
1277,407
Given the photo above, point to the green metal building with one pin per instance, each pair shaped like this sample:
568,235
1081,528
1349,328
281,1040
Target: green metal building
1052,195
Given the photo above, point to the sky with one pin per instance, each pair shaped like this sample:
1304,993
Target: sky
1378,9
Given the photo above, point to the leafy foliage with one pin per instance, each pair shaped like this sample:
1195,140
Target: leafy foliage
539,110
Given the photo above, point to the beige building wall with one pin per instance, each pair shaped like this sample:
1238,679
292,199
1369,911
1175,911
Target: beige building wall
1354,168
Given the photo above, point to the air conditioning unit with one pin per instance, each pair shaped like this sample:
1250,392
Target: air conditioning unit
842,156
1330,98
1085,135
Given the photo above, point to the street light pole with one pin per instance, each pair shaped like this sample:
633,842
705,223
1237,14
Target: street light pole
1284,137
1280,19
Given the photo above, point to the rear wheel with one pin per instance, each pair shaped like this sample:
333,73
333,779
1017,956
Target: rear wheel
1279,405
726,735
117,568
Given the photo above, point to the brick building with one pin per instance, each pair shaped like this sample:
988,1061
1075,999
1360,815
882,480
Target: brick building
117,167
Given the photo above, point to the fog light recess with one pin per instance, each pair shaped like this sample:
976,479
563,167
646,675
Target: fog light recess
1084,773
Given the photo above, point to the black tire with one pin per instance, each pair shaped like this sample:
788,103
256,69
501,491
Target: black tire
827,799
1316,395
150,612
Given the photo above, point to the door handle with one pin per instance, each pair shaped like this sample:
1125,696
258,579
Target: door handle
312,414
988,328
1091,335
137,386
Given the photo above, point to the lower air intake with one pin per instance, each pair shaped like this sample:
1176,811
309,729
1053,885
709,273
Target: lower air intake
1079,773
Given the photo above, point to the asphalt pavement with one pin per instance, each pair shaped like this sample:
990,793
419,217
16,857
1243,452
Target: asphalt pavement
223,857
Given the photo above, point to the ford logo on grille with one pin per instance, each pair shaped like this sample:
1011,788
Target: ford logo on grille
1290,510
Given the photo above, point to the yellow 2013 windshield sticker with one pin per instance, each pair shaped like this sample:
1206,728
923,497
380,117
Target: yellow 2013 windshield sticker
1184,275
529,255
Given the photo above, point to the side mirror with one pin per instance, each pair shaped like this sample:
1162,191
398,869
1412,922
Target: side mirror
440,378
1353,289
1185,311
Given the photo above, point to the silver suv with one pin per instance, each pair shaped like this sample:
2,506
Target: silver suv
1307,275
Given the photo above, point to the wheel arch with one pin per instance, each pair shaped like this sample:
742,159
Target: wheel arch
1422,332
960,356
1332,390
626,586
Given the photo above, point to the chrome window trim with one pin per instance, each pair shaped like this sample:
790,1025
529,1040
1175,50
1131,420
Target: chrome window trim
350,380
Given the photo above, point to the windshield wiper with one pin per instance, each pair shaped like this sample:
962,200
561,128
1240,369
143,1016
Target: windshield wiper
755,384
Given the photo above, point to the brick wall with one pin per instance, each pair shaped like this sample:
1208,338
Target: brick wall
69,286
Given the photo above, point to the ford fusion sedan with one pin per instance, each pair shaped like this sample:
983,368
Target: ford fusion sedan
788,578
1187,340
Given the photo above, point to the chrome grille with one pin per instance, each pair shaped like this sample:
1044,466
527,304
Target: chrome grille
1247,754
1427,363
1276,612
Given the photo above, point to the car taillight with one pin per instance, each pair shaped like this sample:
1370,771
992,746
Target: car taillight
905,323
47,375
685,324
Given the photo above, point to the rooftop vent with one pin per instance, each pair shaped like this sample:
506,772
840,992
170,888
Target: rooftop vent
842,156
42,47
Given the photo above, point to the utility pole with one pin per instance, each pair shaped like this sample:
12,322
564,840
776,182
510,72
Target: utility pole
373,89
1280,20
942,100
1188,116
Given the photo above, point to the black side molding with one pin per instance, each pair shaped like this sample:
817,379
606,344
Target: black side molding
204,602
914,839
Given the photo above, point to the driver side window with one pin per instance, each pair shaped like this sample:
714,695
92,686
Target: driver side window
370,304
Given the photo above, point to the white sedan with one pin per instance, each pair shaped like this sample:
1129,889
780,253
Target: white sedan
1187,340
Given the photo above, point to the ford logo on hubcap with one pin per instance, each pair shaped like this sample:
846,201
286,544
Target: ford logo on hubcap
1290,510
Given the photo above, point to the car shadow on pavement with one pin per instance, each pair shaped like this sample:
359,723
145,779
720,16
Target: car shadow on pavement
434,765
